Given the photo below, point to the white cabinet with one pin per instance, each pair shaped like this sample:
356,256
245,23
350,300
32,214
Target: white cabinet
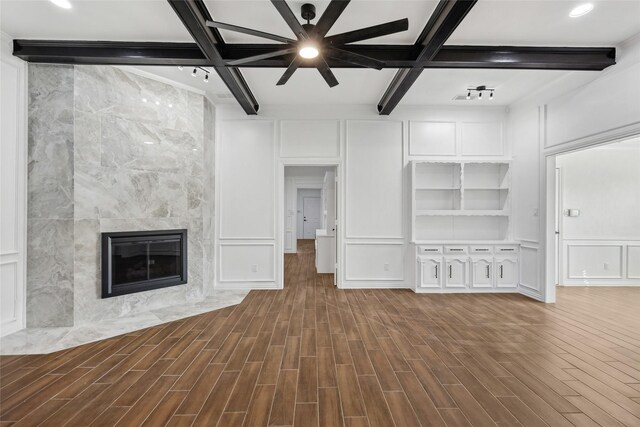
467,268
430,272
481,272
506,272
455,275
325,252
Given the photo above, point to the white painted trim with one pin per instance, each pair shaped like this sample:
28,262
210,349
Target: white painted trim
368,279
337,123
403,224
280,185
548,156
218,179
19,256
268,280
445,155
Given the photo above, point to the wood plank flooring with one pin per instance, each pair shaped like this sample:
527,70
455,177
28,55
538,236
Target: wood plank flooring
312,355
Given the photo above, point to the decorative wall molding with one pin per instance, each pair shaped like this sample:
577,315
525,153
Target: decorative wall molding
13,199
222,272
350,266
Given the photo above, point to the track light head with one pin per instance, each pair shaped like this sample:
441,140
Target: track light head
491,95
206,78
469,95
194,72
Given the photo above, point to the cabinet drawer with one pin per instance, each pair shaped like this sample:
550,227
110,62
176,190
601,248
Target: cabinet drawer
481,250
455,250
429,249
506,249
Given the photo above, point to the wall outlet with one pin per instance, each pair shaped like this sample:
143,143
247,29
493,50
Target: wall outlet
254,268
386,266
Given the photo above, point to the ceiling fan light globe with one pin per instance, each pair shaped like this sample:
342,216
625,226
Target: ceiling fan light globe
308,52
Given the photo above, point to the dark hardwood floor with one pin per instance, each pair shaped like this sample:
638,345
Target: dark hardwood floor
312,355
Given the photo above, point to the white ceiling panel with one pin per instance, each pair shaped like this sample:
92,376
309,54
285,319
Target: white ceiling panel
547,23
115,20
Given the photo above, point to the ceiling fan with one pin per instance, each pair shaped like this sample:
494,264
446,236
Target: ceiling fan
311,42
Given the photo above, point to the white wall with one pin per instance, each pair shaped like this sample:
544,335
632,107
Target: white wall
579,110
603,183
13,151
372,154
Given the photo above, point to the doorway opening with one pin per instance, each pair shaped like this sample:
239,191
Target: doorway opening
310,214
593,226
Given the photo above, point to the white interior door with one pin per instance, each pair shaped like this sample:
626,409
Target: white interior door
311,217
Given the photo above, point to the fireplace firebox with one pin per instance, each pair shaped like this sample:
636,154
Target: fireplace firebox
136,261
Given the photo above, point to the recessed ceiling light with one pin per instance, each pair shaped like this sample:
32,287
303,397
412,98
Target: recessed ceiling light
62,3
309,51
581,10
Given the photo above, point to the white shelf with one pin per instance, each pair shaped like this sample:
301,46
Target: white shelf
437,188
461,200
486,188
454,212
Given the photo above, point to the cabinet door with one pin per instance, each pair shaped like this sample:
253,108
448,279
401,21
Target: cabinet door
507,273
455,275
482,273
430,272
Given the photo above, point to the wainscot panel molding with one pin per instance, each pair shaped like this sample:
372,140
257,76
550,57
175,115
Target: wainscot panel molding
481,139
374,179
13,197
371,261
601,263
529,269
247,187
309,138
432,138
247,262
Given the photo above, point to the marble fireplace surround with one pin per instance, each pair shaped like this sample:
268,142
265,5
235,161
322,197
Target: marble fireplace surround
110,151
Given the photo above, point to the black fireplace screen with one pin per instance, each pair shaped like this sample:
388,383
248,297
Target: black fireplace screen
136,261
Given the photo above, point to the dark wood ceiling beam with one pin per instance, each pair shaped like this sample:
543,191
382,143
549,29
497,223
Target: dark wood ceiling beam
394,56
109,53
442,23
194,16
404,56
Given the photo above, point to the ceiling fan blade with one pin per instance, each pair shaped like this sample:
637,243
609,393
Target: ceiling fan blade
249,31
290,19
259,57
330,16
289,71
326,72
369,32
354,58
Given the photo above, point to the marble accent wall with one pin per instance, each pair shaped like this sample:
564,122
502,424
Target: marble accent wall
50,281
138,162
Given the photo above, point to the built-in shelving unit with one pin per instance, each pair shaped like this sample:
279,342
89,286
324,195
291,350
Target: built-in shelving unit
460,200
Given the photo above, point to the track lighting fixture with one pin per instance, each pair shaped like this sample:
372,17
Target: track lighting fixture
480,90
194,73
